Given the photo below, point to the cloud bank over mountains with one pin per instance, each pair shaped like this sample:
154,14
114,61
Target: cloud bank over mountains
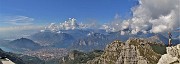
150,16
154,16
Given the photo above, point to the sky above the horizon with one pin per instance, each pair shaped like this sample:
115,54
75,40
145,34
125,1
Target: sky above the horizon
24,17
19,17
39,12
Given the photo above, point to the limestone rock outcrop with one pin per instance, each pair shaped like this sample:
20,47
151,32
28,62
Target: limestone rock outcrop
172,56
133,51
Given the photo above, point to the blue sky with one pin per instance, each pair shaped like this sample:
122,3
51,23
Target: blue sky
47,11
18,16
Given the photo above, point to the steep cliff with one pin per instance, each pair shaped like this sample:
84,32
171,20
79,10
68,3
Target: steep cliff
133,51
172,56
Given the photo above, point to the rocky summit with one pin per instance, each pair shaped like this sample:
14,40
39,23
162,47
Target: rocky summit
133,51
172,56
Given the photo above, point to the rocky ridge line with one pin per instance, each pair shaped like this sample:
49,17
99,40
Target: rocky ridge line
133,51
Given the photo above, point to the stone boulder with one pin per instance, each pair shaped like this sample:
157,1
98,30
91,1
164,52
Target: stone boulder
172,56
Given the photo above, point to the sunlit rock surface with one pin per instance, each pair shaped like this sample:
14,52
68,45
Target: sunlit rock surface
133,51
172,56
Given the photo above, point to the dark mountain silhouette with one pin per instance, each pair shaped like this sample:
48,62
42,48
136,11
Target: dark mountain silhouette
23,44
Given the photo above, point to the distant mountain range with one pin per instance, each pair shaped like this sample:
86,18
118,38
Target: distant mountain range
52,39
77,36
88,40
72,35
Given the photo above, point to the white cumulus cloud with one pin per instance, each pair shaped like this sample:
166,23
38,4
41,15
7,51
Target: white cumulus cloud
154,16
160,15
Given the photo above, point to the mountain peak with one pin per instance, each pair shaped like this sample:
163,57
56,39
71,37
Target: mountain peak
135,51
23,40
23,43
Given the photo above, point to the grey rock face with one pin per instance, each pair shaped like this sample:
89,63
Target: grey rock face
172,56
133,51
